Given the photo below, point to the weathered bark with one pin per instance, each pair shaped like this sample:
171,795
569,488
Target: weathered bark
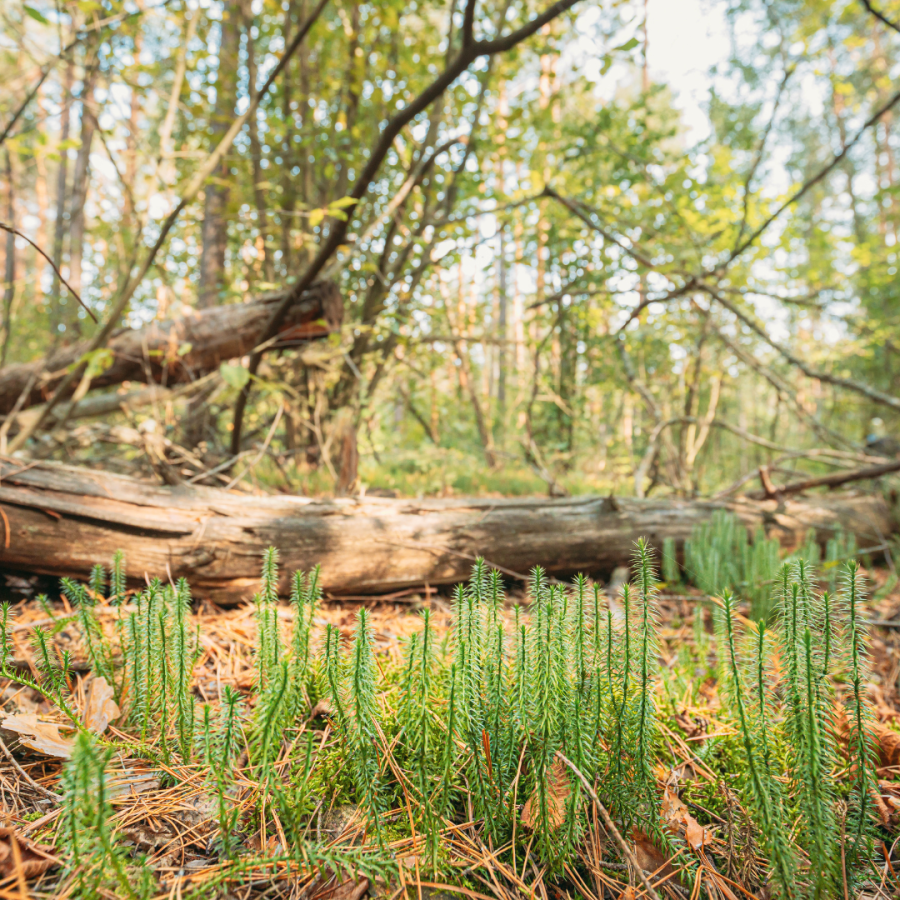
152,354
62,520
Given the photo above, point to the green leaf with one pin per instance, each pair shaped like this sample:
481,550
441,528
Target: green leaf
185,348
98,361
315,217
234,375
628,45
38,17
343,202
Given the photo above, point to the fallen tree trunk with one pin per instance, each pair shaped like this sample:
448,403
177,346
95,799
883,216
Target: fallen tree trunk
178,350
61,520
103,404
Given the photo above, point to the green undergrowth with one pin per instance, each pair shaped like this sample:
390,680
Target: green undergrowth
516,729
428,471
721,555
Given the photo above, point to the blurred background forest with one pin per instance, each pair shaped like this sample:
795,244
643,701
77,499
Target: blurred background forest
549,281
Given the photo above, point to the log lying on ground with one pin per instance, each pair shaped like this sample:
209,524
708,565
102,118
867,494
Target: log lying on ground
61,520
102,404
178,350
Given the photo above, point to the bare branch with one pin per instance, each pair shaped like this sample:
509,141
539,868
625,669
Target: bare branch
783,389
831,481
810,183
848,383
575,209
880,16
759,153
71,290
468,29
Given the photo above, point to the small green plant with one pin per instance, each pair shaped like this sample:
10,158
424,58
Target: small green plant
859,739
720,555
361,723
671,571
764,793
221,744
806,643
93,860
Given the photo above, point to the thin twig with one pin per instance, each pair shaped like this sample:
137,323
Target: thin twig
38,787
262,451
71,290
610,825
880,16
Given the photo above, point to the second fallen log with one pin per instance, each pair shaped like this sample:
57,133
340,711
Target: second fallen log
180,350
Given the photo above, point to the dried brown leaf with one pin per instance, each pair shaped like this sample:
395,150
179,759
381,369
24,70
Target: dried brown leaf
558,790
888,745
677,820
350,890
694,728
885,740
100,708
649,857
696,835
673,811
43,737
35,858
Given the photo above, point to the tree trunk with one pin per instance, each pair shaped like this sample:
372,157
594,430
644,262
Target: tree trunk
502,331
130,221
59,232
180,350
80,184
9,271
262,218
288,151
61,520
216,193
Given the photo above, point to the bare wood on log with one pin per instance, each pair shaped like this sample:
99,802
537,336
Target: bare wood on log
151,354
63,520
834,480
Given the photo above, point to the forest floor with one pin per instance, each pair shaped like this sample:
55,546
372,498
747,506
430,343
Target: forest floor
165,812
